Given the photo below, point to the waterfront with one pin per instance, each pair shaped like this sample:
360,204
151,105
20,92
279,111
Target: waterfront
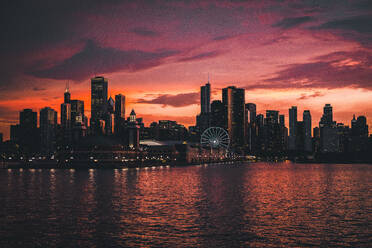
232,205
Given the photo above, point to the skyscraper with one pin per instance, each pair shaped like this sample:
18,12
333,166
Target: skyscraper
205,98
308,147
327,118
110,116
292,128
98,104
28,132
251,107
233,100
119,113
217,114
77,111
329,138
48,124
203,119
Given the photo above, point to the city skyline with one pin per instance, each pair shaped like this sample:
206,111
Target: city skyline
281,53
67,97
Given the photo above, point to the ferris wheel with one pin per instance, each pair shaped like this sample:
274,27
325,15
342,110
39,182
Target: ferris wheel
215,137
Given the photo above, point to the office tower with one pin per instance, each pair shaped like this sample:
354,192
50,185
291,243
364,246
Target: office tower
217,114
327,118
282,120
98,104
300,136
48,124
272,116
308,146
28,119
77,112
14,133
359,126
251,128
359,134
273,134
29,138
205,98
119,113
233,100
329,138
251,108
110,116
1,138
292,128
203,119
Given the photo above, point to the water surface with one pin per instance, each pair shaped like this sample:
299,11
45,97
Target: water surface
241,205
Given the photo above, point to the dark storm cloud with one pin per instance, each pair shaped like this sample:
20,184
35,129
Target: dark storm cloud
201,56
334,70
179,100
141,31
291,22
94,59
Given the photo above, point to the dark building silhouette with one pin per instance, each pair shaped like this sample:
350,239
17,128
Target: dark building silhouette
327,118
109,122
48,125
300,136
292,128
218,113
273,134
359,134
205,98
329,139
99,104
250,123
131,137
308,146
119,116
204,118
28,133
233,100
77,112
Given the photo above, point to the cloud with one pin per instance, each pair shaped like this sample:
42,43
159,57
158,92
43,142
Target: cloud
201,56
356,28
292,22
308,96
361,24
335,70
38,89
179,100
141,31
222,37
94,59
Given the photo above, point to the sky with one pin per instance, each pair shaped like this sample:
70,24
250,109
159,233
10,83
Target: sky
158,53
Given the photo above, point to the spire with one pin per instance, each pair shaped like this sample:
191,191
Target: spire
67,86
208,77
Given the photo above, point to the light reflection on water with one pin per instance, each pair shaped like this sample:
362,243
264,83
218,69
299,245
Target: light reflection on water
252,205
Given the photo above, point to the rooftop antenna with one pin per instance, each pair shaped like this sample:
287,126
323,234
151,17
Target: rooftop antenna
208,77
67,86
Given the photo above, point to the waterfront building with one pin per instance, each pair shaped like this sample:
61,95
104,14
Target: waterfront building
48,125
233,100
308,146
99,87
292,128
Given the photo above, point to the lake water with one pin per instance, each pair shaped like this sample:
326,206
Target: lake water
236,205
